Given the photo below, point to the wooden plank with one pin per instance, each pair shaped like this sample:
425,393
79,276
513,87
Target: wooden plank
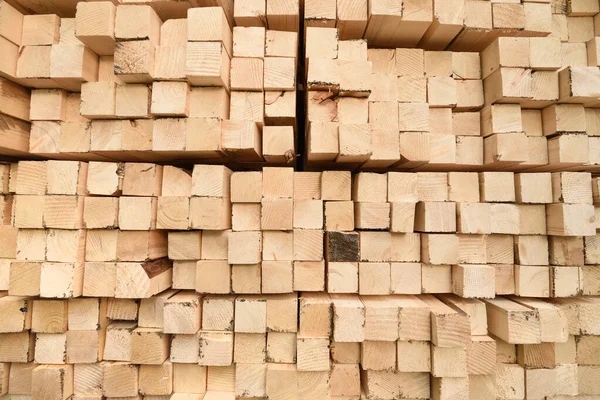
513,322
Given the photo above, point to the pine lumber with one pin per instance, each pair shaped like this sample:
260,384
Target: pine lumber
15,320
137,22
321,14
448,325
553,324
417,17
12,22
513,322
182,314
156,379
384,19
283,16
118,341
485,191
141,280
95,26
151,310
14,99
478,24
15,135
385,384
448,21
52,380
250,13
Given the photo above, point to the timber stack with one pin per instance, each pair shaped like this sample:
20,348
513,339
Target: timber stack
517,105
143,278
300,200
118,82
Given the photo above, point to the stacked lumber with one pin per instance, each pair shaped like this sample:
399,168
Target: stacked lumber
457,25
405,117
523,103
539,358
118,83
14,99
263,92
337,127
166,9
129,279
50,56
443,241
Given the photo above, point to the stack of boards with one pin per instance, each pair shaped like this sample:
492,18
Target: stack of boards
119,83
127,279
284,200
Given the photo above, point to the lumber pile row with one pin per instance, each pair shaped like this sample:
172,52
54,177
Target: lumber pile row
523,103
166,9
187,346
116,82
128,279
456,25
280,231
